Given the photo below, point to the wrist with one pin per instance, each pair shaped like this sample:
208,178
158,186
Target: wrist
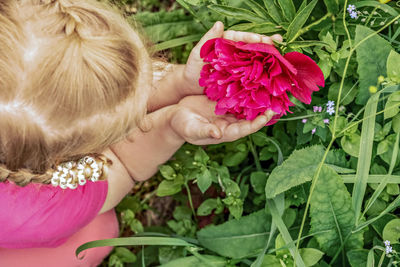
169,133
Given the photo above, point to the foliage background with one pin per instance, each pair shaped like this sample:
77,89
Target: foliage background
304,191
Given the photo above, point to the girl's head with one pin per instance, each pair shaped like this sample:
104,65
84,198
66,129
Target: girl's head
74,79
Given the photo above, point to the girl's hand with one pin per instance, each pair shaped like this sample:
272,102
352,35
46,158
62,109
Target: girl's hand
191,71
194,120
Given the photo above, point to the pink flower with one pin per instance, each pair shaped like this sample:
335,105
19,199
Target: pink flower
249,79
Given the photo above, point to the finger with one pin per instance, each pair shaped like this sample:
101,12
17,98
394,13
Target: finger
277,38
200,128
249,37
244,128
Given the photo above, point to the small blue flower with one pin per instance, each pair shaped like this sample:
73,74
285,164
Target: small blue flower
330,103
351,8
330,111
353,15
389,249
386,242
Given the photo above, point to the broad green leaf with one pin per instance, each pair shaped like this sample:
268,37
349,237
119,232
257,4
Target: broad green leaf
288,9
234,158
391,231
167,172
370,65
299,21
273,11
392,106
204,180
237,13
201,156
192,261
396,123
393,67
270,261
237,238
332,6
168,188
258,180
349,92
167,254
311,256
331,210
125,254
207,207
297,169
351,144
164,26
365,155
357,257
261,28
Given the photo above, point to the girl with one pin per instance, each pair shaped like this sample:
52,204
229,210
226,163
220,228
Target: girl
75,83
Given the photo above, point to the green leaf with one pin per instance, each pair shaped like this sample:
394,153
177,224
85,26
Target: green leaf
166,25
384,7
351,144
258,180
168,188
237,13
396,123
364,161
125,255
273,11
178,42
270,261
261,28
299,21
297,169
349,92
310,256
391,231
392,106
234,158
331,210
332,6
357,257
167,172
201,156
257,8
370,65
237,238
288,9
133,241
207,207
393,67
204,180
192,261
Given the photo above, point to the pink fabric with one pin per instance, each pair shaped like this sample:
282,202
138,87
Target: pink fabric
104,226
45,216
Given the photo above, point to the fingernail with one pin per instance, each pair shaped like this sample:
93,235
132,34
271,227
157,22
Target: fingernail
214,134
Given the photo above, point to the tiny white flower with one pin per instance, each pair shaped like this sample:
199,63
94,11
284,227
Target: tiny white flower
330,103
351,8
330,111
389,249
386,242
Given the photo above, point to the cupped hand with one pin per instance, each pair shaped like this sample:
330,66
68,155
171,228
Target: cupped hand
191,72
194,120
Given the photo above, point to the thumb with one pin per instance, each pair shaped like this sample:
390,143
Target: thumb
216,31
207,130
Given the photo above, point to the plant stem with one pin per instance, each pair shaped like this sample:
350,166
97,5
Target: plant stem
190,201
253,151
308,27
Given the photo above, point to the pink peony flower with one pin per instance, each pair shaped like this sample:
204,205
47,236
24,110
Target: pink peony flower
249,79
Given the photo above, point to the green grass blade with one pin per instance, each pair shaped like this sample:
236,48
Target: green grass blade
384,182
285,233
365,155
134,241
178,42
373,178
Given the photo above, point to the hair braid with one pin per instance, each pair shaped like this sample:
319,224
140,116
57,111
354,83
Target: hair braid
23,177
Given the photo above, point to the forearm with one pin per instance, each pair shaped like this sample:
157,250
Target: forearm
142,152
168,90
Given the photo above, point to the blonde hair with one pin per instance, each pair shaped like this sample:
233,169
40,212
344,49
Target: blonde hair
72,74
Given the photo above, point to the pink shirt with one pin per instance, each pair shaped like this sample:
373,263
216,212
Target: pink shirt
45,216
